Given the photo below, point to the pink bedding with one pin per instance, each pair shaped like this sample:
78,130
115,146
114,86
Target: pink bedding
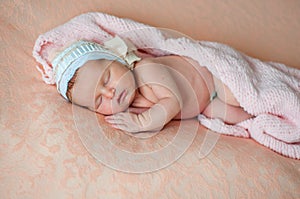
44,151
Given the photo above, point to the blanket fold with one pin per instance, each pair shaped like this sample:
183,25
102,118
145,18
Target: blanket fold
270,91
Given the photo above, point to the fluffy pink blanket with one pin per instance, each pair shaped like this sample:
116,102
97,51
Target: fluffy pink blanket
268,90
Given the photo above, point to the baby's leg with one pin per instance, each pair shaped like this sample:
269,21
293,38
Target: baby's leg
228,113
224,93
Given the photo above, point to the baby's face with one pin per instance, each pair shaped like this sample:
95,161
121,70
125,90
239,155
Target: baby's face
104,86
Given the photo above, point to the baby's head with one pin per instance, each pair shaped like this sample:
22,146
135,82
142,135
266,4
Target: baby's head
90,75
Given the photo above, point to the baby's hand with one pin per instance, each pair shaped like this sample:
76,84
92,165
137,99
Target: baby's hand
124,121
129,122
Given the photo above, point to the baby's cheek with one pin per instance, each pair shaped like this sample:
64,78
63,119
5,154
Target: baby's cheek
109,107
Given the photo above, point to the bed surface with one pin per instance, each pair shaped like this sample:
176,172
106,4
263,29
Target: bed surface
44,144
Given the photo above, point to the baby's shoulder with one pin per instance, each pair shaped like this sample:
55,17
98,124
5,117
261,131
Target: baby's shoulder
151,69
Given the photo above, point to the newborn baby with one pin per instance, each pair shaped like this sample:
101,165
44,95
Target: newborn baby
138,92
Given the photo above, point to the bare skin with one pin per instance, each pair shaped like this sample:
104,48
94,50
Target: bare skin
158,90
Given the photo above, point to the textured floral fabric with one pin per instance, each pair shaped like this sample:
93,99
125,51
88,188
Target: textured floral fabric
45,152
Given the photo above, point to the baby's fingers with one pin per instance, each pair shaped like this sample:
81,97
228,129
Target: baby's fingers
122,122
117,118
121,127
115,122
113,119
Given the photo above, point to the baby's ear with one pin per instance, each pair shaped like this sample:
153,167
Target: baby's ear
71,85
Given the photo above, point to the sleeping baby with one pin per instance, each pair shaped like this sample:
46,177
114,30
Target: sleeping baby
138,92
144,77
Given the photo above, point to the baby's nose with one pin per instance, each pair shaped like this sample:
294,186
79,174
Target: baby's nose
109,92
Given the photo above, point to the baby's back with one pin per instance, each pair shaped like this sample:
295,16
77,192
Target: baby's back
195,83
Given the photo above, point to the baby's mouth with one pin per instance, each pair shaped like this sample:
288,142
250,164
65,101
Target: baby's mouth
122,96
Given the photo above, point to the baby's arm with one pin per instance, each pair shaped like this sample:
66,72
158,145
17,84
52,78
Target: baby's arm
158,79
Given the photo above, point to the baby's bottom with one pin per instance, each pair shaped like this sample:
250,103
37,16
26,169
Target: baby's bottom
225,106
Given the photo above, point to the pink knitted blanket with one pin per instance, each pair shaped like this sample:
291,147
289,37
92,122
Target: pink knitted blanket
268,90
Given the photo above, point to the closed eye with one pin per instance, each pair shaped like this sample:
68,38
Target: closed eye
98,102
107,78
